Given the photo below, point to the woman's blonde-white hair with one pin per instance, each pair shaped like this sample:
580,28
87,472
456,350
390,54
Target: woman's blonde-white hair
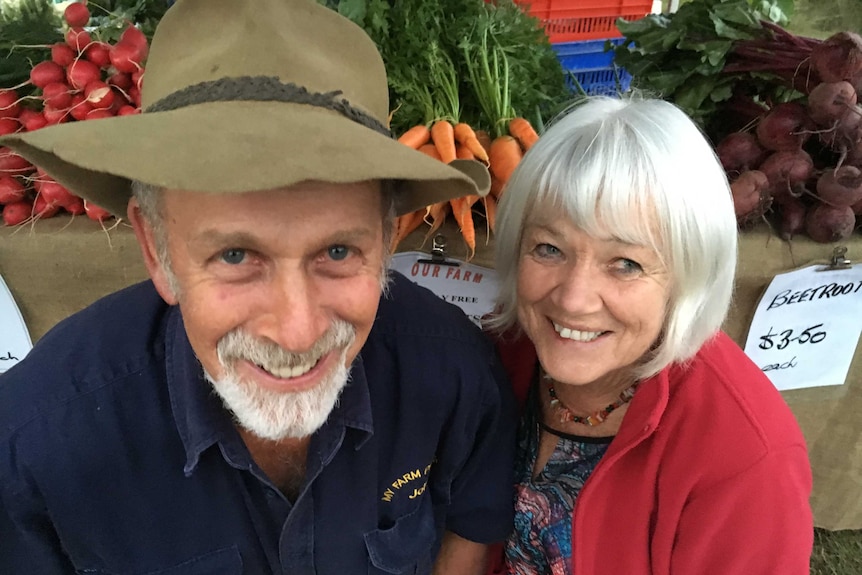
642,171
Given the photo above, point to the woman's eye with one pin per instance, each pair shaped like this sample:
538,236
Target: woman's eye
233,256
338,253
628,266
546,250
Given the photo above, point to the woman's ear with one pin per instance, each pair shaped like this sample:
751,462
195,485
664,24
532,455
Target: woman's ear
149,250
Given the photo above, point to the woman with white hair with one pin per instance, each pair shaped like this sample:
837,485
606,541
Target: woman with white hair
649,443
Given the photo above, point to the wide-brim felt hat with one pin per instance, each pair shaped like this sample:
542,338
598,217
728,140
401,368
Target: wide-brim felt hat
247,95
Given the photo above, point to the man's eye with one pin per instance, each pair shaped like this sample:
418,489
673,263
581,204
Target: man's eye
338,253
233,256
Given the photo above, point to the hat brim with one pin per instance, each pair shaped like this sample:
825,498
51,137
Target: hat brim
226,147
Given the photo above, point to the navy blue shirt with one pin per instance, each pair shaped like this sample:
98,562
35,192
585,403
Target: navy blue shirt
119,458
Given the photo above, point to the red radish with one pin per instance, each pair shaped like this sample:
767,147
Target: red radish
81,73
128,111
738,152
32,120
55,193
44,209
55,115
99,94
121,80
126,57
99,113
135,96
840,186
62,54
829,101
9,107
826,224
94,212
76,15
9,126
45,73
11,190
17,213
12,163
99,54
750,195
75,206
40,178
80,107
78,39
57,95
785,127
138,79
133,35
837,58
787,172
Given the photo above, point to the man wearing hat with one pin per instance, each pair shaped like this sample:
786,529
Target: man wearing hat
273,400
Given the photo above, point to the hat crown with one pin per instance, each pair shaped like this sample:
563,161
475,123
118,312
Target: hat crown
297,41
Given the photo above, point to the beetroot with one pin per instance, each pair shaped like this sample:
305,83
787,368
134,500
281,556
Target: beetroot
738,152
787,172
845,134
826,224
785,127
840,186
839,57
828,102
857,208
792,218
750,196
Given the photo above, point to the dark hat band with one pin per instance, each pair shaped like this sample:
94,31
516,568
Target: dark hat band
263,89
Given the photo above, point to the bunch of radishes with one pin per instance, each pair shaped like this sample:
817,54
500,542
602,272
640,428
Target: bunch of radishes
803,161
84,79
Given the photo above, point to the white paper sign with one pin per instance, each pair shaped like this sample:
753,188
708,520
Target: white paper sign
15,340
806,327
470,287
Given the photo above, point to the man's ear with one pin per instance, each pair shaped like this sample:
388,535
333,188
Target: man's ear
147,240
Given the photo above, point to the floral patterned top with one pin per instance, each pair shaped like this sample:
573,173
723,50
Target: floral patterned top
541,543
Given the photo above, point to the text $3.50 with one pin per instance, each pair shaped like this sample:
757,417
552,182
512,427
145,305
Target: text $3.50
786,337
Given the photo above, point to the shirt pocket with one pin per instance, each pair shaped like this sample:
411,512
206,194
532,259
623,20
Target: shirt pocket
406,548
225,561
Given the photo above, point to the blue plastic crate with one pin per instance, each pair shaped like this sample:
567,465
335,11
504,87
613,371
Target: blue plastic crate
592,67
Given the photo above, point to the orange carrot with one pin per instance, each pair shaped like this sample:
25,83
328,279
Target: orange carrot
465,136
430,150
406,224
416,136
484,139
437,215
524,132
490,210
504,155
463,153
496,190
443,136
464,216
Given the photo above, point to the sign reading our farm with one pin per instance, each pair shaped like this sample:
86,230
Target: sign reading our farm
806,327
470,287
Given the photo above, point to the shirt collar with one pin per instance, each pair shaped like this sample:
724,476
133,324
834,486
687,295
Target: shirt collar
201,418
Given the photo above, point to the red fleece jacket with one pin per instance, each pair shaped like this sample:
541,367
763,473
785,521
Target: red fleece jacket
708,474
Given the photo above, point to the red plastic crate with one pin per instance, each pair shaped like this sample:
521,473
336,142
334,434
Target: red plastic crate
577,20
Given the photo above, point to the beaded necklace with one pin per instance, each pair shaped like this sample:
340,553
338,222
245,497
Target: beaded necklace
596,418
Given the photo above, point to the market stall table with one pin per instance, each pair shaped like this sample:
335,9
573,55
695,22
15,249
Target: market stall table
60,265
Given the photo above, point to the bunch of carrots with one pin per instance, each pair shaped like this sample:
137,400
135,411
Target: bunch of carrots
446,141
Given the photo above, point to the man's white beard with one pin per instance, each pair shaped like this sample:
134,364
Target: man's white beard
280,415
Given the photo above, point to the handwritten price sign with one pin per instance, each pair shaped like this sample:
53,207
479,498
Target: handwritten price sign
806,327
14,338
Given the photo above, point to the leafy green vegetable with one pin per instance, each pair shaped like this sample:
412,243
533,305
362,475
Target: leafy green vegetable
681,56
423,43
29,28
